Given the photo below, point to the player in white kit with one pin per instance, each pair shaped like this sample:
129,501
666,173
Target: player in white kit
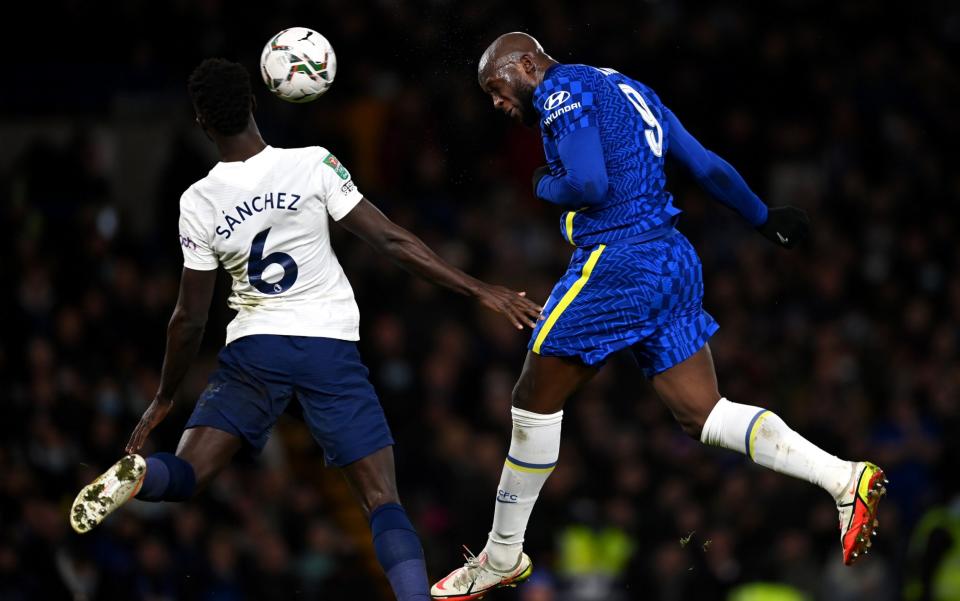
262,213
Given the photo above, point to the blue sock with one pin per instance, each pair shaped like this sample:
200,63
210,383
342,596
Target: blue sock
168,478
399,552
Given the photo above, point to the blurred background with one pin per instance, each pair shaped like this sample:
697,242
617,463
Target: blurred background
847,109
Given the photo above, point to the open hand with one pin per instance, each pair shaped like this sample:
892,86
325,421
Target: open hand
520,310
154,414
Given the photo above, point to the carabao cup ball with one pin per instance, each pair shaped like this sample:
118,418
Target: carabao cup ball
298,64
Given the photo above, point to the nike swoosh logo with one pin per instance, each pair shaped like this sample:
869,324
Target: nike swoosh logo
783,240
440,585
507,502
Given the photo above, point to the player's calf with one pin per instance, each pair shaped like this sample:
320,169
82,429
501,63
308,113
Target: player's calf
762,436
399,552
532,457
856,487
395,541
167,478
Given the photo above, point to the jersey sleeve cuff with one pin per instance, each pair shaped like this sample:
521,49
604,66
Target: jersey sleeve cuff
200,266
762,215
346,205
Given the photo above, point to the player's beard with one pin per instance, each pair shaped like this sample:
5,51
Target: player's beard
524,94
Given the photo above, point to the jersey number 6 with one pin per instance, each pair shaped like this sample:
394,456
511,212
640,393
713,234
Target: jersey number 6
259,263
654,136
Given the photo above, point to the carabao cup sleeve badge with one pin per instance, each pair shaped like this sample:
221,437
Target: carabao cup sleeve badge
332,162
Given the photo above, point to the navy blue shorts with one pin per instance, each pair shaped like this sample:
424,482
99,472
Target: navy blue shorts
259,375
646,296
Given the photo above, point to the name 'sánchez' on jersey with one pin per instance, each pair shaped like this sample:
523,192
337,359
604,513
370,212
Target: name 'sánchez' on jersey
282,201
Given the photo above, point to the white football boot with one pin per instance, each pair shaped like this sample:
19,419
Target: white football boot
476,578
110,490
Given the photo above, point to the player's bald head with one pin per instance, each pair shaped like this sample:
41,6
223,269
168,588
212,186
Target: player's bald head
510,69
506,49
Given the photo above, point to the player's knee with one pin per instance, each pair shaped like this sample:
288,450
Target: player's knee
691,422
521,395
692,427
523,398
690,408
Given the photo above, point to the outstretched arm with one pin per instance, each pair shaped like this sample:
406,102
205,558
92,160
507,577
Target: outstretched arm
785,226
368,223
714,174
184,334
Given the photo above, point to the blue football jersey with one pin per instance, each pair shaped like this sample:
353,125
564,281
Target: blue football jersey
634,137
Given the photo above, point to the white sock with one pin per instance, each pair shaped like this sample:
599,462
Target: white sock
534,449
768,441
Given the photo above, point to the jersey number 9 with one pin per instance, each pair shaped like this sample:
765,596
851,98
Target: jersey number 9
259,263
654,136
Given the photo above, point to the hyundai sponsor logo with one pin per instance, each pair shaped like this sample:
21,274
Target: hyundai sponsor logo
556,99
560,111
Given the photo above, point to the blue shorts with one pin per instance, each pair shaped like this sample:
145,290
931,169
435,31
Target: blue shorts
646,296
259,375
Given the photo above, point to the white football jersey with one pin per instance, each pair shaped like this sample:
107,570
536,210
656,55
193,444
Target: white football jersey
265,221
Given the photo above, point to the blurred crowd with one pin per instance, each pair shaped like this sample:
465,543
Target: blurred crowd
843,109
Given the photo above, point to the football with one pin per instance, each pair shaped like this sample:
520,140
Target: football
298,64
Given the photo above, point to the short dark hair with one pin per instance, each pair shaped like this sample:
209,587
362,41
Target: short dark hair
220,90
